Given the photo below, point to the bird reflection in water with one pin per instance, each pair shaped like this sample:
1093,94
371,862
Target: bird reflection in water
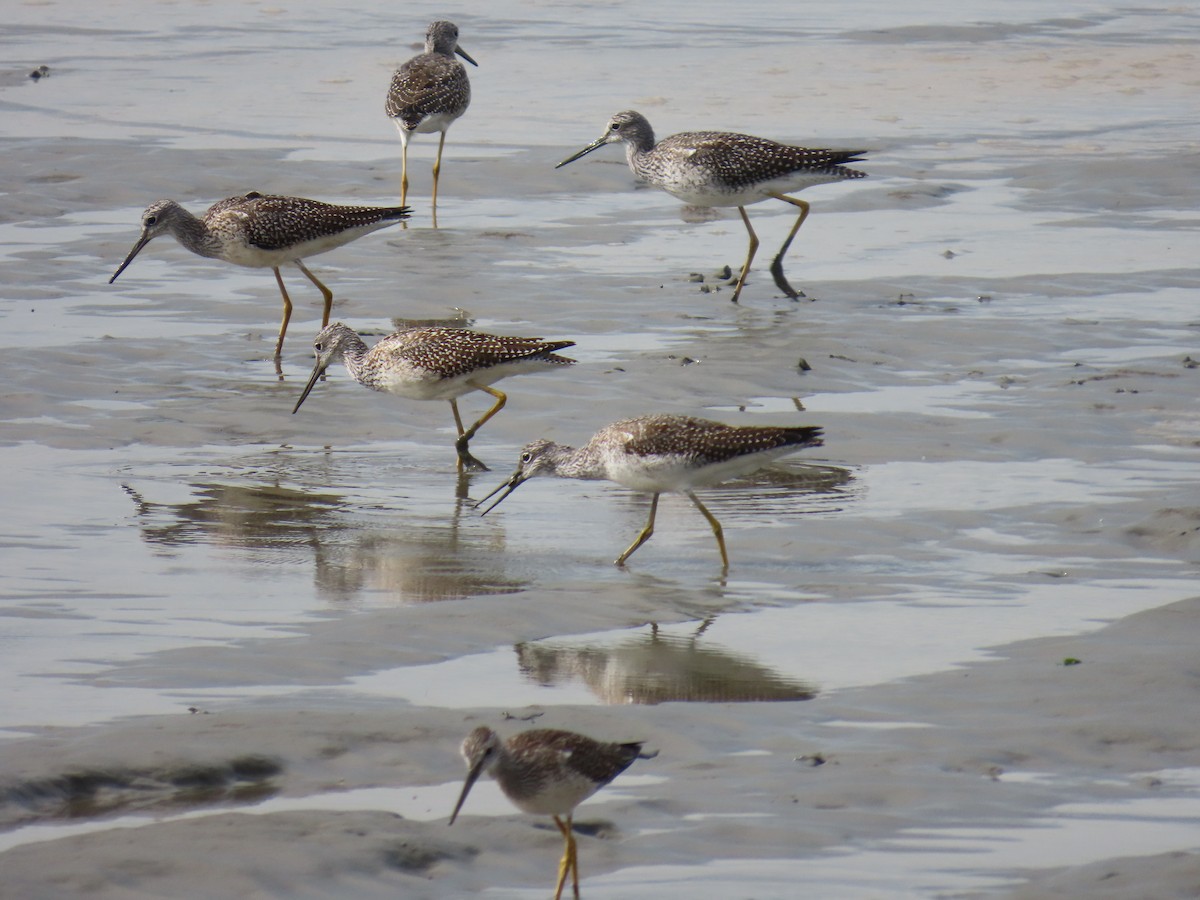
416,559
655,668
255,517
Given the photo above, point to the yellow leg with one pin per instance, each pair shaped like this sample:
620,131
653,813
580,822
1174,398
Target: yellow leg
564,865
501,399
458,426
403,170
569,864
644,536
574,850
575,859
716,526
777,265
457,417
465,459
437,170
326,293
737,291
287,312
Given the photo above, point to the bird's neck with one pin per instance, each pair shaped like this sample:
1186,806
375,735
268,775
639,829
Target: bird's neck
193,233
568,462
637,154
354,356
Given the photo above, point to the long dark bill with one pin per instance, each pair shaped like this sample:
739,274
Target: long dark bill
318,371
594,145
465,55
137,248
511,485
472,777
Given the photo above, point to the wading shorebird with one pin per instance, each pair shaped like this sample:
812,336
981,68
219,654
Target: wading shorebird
723,168
435,363
427,94
262,231
661,453
547,773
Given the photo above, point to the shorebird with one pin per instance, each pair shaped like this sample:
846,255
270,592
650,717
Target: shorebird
722,168
660,453
427,94
547,772
435,363
262,231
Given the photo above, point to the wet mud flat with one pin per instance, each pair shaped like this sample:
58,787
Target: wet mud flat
297,799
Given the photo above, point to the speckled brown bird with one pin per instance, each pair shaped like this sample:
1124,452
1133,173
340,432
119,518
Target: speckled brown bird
547,772
435,363
262,231
723,168
428,93
660,453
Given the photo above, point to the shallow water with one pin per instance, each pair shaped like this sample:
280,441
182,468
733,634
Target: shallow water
999,357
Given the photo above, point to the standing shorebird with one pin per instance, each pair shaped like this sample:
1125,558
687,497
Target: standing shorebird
427,94
721,168
434,363
548,773
265,232
655,454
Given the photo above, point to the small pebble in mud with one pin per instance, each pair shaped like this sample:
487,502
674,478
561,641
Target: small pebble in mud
695,277
812,759
683,360
706,289
984,298
802,365
949,254
1071,661
39,73
1189,363
723,274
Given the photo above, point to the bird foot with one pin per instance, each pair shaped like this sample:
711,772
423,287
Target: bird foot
466,461
781,282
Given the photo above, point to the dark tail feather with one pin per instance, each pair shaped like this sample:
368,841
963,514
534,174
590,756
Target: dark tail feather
804,436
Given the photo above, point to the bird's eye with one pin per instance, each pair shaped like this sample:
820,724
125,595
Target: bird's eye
318,346
526,456
150,220
615,126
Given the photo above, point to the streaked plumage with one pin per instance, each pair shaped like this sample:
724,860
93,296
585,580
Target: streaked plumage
547,772
660,453
428,93
262,231
435,363
722,168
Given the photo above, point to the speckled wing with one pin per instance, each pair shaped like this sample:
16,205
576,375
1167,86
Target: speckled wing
596,761
273,223
712,442
749,159
427,85
457,351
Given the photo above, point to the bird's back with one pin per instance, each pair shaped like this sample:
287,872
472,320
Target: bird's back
434,362
700,166
429,85
550,772
662,453
256,225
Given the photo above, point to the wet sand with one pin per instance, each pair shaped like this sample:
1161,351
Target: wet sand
243,645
